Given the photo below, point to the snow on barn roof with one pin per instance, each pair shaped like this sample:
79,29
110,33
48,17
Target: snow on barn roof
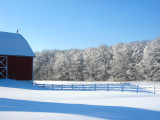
15,45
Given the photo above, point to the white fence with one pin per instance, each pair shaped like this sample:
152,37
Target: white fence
108,87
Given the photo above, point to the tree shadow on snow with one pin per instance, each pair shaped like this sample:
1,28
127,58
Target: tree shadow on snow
105,112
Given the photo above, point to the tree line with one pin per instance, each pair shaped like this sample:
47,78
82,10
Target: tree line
120,62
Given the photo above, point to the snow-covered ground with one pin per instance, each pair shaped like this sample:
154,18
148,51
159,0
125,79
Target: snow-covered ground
92,82
22,101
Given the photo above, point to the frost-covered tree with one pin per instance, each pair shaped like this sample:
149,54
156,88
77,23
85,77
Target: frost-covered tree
149,67
120,62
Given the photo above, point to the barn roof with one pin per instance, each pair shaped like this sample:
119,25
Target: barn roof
15,45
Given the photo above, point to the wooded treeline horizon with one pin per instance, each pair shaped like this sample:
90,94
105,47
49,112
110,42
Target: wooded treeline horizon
136,61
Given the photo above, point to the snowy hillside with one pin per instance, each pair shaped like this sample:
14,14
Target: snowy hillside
22,101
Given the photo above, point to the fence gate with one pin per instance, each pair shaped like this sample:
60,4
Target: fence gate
3,67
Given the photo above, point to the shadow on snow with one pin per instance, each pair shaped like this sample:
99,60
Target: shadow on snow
105,112
19,84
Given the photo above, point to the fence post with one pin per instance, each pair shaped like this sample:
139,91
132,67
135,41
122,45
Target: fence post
62,87
35,84
72,86
122,87
108,87
154,89
52,86
95,87
83,87
137,88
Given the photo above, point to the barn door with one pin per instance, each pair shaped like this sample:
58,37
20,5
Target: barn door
3,67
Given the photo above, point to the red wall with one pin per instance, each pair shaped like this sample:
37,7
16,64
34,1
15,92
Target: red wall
20,68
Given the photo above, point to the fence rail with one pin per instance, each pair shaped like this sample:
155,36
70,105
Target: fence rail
108,87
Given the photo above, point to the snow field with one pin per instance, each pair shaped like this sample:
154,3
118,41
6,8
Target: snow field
22,100
43,116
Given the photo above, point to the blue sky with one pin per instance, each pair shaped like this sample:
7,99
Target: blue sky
66,24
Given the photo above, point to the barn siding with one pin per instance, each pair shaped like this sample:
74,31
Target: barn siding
20,68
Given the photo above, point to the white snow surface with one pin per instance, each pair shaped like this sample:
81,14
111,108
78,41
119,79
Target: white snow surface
14,44
20,100
97,82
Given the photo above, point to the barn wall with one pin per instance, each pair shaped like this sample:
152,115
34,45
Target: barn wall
20,68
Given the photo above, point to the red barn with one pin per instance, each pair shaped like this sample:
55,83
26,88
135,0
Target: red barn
16,57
